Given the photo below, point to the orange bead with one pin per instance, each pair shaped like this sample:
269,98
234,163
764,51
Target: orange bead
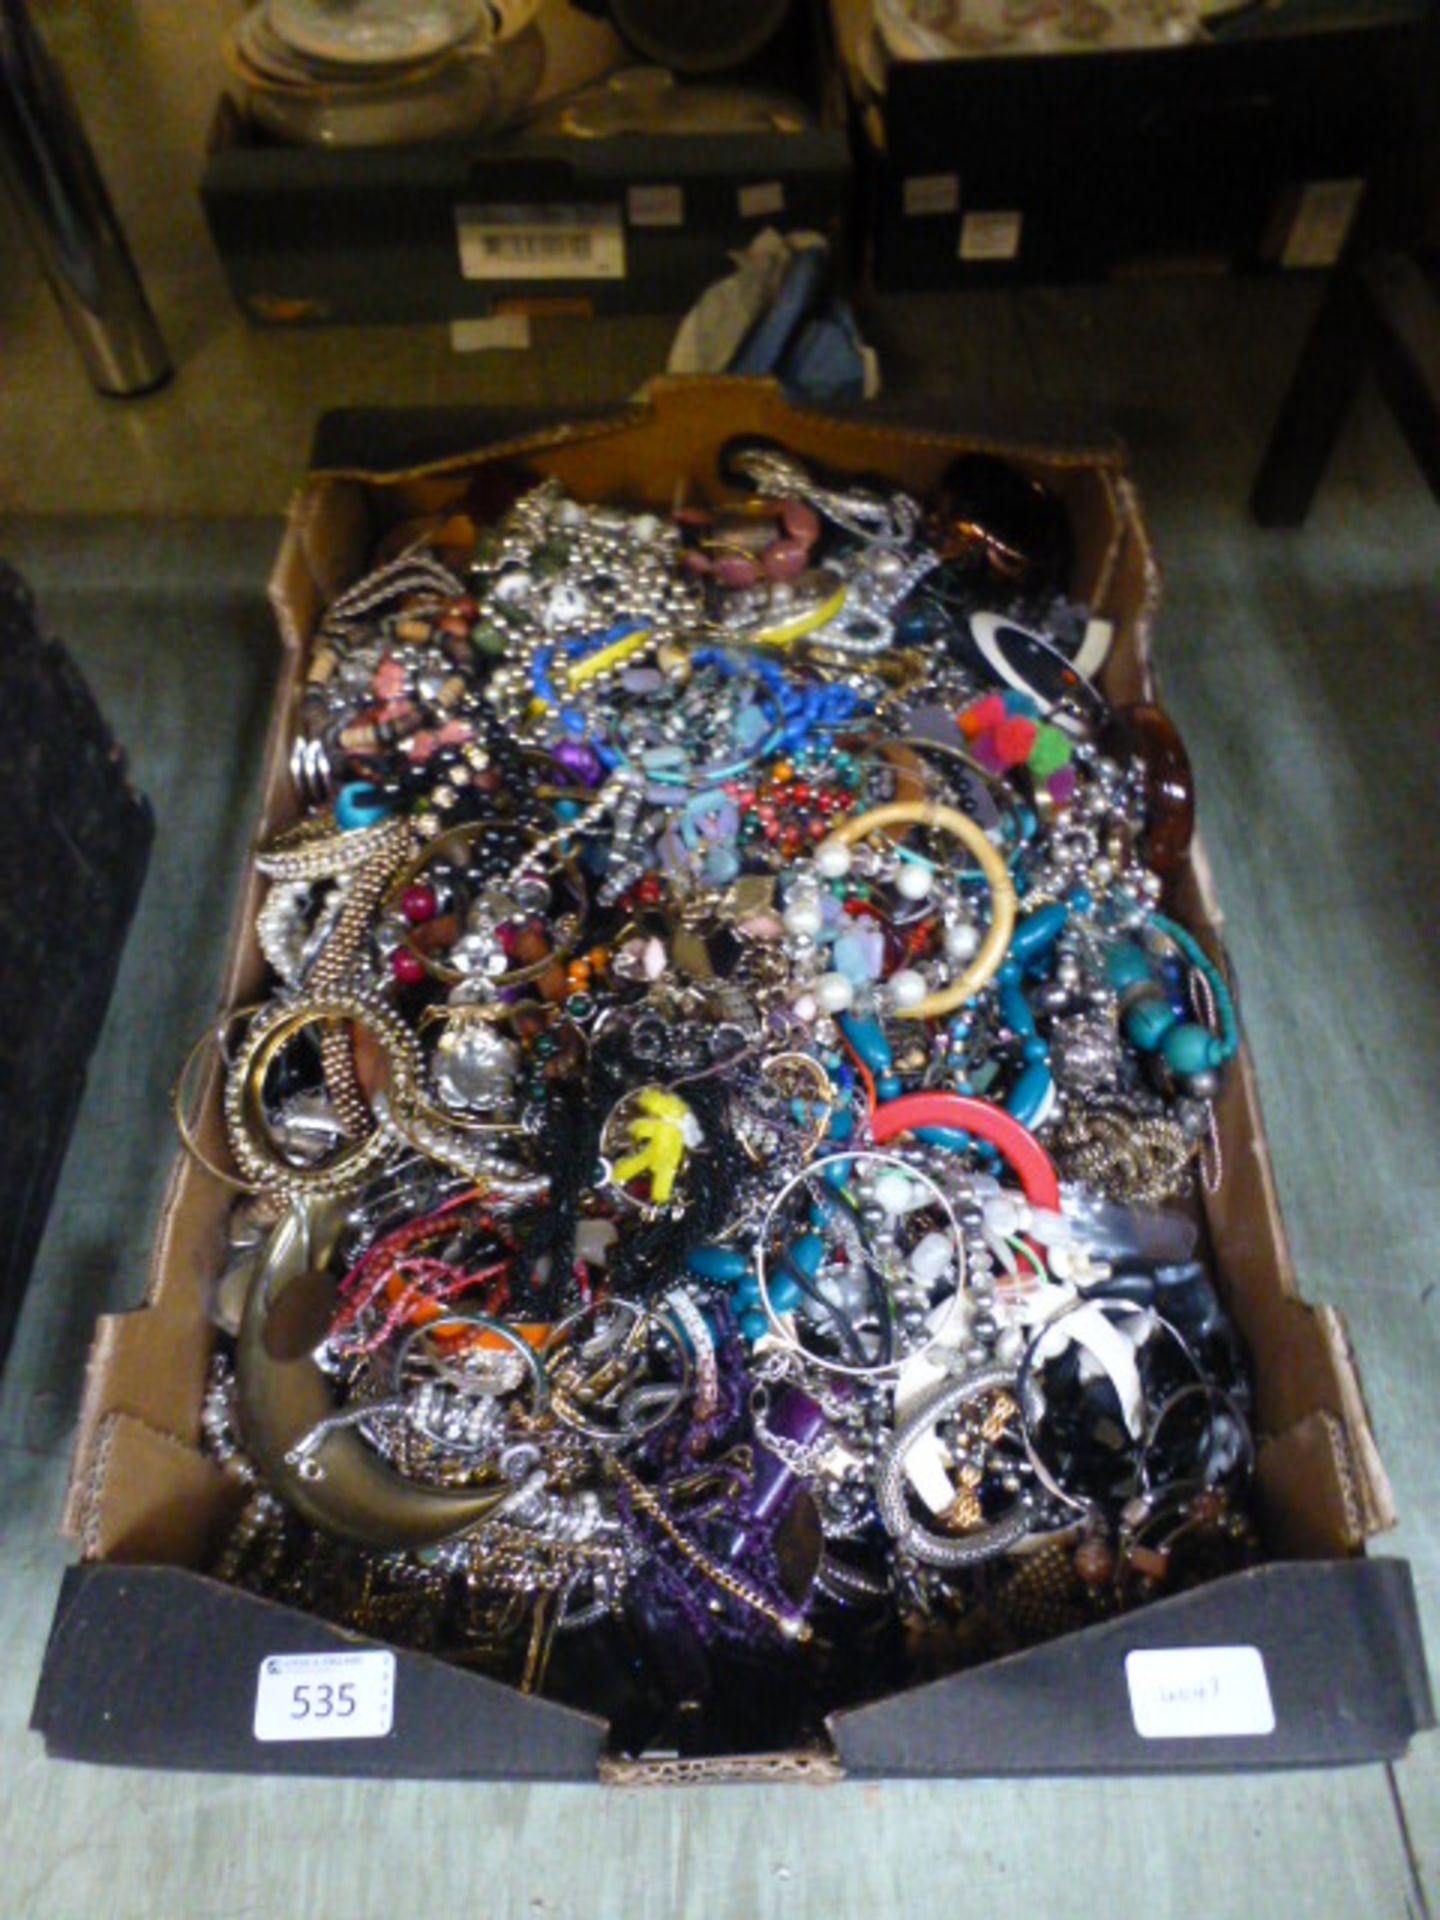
552,984
420,1312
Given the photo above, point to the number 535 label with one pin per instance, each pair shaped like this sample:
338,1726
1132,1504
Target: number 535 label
325,1696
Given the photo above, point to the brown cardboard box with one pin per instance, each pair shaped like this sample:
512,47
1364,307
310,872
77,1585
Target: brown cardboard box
1337,1633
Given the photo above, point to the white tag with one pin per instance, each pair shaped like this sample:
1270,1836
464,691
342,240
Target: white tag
767,197
1199,1693
541,243
927,1470
325,1696
1322,220
931,193
990,236
655,206
485,332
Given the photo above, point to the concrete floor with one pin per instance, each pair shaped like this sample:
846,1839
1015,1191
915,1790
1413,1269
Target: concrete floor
1305,671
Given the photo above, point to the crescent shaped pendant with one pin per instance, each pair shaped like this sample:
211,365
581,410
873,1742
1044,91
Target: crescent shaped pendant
283,1396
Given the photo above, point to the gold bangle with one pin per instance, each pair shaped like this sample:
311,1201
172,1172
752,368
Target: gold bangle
213,1036
272,1030
316,849
996,943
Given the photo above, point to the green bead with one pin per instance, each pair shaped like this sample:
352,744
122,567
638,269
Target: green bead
1148,1021
1189,1048
1126,966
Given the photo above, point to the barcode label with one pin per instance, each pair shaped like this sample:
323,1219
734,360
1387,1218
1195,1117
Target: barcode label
990,236
656,206
488,333
1322,222
764,197
541,243
928,193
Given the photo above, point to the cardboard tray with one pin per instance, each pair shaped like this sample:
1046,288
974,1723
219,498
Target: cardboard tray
152,1663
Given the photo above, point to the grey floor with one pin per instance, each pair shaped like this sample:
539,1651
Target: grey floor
1305,671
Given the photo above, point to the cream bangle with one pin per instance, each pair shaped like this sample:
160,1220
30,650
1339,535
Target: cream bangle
995,945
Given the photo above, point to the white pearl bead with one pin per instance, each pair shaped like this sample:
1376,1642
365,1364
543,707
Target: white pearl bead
962,942
834,992
931,1258
1010,1346
832,859
1050,1229
892,1192
913,882
1001,1215
802,916
907,987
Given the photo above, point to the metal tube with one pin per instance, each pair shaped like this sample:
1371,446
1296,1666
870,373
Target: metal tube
51,171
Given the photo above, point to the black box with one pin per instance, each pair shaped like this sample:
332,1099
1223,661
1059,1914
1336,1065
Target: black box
1247,151
74,847
309,235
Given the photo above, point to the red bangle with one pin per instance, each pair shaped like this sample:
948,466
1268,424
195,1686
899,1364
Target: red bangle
965,1114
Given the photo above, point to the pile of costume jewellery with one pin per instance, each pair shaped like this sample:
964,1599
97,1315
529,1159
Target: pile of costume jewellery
720,1147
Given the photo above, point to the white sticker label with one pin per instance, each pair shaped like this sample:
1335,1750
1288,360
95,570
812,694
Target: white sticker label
1322,220
655,206
766,197
991,236
486,332
931,193
541,243
325,1696
1199,1693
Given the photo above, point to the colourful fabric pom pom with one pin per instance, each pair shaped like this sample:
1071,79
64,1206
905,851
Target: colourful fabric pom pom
1014,737
986,753
985,715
